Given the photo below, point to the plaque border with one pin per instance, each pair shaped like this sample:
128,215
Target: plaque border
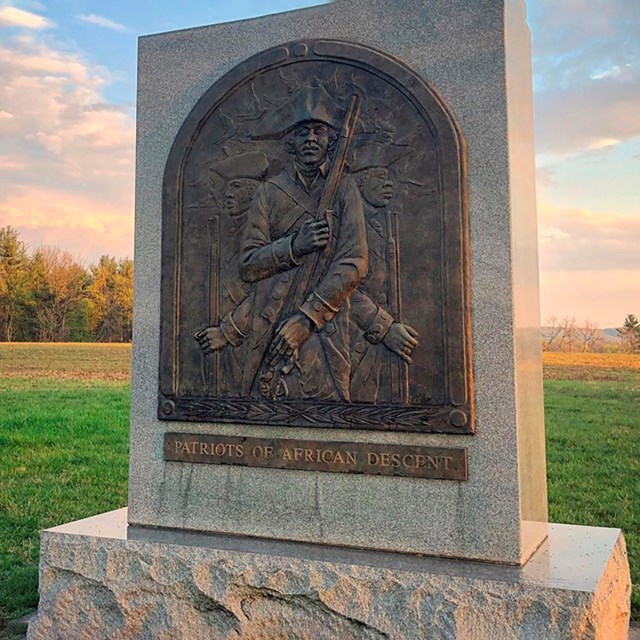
457,414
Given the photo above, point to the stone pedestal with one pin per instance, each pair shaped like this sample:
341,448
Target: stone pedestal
100,579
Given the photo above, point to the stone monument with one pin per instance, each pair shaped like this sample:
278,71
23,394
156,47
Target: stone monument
337,391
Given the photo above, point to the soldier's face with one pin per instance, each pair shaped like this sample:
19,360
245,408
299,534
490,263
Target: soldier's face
378,187
311,142
238,195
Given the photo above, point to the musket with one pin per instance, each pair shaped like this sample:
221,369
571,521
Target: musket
325,207
339,159
399,368
214,304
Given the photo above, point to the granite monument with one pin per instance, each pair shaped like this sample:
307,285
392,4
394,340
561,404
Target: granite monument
337,427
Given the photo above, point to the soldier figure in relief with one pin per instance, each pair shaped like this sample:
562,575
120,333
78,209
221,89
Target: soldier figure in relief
379,338
303,267
240,174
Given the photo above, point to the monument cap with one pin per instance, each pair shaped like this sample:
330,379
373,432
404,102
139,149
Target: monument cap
368,155
253,165
308,104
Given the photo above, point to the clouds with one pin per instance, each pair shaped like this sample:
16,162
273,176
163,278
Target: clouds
587,66
587,99
101,21
12,17
590,264
585,240
596,113
603,296
67,154
78,222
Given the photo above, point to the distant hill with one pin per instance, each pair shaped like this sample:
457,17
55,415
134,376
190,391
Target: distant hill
608,336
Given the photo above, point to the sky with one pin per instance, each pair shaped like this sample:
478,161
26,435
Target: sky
67,133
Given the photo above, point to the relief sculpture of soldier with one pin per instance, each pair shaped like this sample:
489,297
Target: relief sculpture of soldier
305,262
240,176
381,343
323,280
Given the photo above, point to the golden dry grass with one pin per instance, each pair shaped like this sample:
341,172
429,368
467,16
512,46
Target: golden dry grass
607,367
609,360
98,361
65,361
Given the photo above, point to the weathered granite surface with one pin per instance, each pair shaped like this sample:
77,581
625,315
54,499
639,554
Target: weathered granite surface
97,581
476,54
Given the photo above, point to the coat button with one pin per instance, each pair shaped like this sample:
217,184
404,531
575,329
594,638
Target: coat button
360,347
285,278
317,306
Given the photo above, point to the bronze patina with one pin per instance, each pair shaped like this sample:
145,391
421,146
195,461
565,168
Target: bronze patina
315,249
434,463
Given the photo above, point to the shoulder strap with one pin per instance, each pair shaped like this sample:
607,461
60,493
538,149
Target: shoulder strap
283,183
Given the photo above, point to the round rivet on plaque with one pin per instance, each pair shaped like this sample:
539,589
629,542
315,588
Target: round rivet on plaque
300,49
168,407
458,418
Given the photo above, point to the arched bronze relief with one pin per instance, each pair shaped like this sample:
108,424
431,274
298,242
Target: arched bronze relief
315,252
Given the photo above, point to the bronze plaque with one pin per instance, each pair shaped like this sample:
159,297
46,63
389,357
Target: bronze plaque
308,455
315,251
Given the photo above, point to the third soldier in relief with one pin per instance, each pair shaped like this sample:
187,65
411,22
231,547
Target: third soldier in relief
381,343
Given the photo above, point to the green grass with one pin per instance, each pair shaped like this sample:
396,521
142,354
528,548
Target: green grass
593,458
65,453
64,440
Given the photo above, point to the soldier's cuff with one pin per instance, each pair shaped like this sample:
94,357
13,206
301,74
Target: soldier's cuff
282,254
230,331
379,326
318,310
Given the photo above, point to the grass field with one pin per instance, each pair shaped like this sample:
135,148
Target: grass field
65,361
64,424
593,454
64,437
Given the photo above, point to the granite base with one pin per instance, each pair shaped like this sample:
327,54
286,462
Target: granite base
101,579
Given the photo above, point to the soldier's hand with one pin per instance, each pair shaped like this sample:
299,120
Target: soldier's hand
290,336
211,339
311,237
401,339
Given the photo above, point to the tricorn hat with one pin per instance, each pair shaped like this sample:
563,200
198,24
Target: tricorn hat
309,103
367,155
253,165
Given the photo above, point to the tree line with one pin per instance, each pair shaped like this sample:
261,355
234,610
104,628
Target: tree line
568,335
49,296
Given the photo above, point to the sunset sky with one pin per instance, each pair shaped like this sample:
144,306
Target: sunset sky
67,116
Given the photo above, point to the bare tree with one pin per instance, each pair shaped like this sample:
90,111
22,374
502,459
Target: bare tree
589,336
560,335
